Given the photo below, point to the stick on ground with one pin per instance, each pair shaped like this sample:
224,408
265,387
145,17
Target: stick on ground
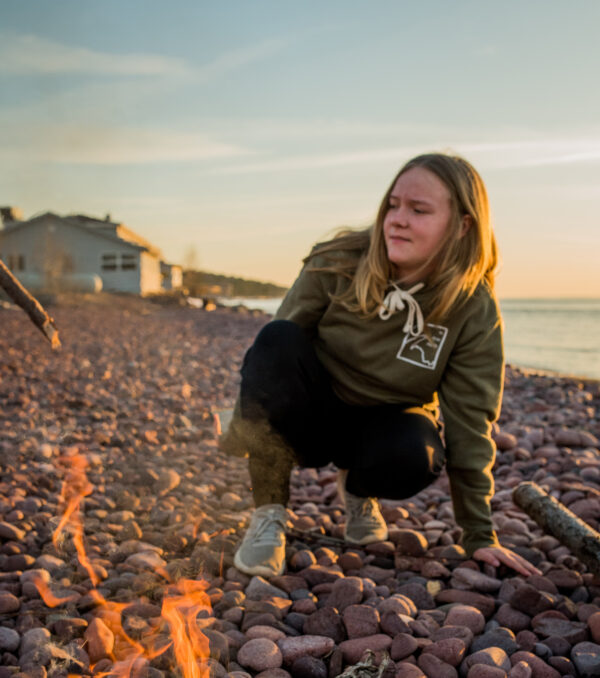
556,519
29,304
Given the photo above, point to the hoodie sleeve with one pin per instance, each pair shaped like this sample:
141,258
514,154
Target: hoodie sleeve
470,396
308,298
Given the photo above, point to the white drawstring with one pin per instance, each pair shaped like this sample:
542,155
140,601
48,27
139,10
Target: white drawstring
394,301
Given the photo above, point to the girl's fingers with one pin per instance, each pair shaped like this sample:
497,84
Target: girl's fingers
520,564
495,555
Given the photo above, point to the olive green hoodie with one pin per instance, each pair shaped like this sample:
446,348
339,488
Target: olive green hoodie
457,364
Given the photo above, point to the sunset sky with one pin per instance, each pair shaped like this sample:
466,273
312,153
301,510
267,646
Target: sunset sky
247,130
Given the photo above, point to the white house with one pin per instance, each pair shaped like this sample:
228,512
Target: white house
79,252
172,276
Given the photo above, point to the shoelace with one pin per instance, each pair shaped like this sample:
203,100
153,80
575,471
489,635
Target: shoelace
268,529
396,300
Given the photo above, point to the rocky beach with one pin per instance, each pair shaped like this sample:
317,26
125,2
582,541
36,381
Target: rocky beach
119,518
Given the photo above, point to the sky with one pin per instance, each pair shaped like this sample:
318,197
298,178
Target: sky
234,135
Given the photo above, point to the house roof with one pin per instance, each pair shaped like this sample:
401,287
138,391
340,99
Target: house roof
109,230
114,228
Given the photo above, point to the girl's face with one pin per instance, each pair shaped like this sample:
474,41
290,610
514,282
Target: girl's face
416,222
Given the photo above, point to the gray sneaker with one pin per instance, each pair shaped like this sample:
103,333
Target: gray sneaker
364,522
262,550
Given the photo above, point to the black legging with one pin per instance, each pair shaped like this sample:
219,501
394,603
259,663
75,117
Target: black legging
390,450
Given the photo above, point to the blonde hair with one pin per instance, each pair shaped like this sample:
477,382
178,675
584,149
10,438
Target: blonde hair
462,261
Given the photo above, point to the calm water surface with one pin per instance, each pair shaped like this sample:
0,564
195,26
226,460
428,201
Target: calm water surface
562,335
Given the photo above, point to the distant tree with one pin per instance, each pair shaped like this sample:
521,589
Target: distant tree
190,259
202,283
52,260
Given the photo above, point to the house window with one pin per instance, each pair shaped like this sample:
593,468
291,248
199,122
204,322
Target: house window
128,262
109,262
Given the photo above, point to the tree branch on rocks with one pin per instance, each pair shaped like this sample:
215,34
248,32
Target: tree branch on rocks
29,304
555,518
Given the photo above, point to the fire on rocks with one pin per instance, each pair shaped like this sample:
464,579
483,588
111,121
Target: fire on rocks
119,519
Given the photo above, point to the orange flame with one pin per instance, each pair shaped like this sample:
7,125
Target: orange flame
83,559
46,594
111,614
180,609
181,604
76,487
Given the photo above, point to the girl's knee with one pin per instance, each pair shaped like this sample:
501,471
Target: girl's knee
400,471
424,460
279,341
278,331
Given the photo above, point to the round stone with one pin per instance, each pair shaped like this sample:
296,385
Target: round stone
260,654
9,639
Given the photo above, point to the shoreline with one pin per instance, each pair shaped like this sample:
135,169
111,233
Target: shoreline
553,374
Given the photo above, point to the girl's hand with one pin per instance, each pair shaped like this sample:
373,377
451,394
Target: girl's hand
496,555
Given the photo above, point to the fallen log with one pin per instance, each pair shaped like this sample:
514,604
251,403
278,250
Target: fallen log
556,519
29,304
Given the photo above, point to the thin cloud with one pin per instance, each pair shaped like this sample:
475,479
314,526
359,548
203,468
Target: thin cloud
278,129
239,58
96,101
496,155
320,161
29,54
243,56
537,153
32,54
104,99
592,155
99,145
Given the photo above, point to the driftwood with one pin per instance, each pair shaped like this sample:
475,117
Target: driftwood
30,305
556,519
367,667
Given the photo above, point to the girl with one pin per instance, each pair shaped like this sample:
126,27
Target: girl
382,328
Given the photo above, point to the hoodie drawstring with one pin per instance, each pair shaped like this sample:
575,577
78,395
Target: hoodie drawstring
396,301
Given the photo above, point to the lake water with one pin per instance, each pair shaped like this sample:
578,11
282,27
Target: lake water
268,305
562,335
559,335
